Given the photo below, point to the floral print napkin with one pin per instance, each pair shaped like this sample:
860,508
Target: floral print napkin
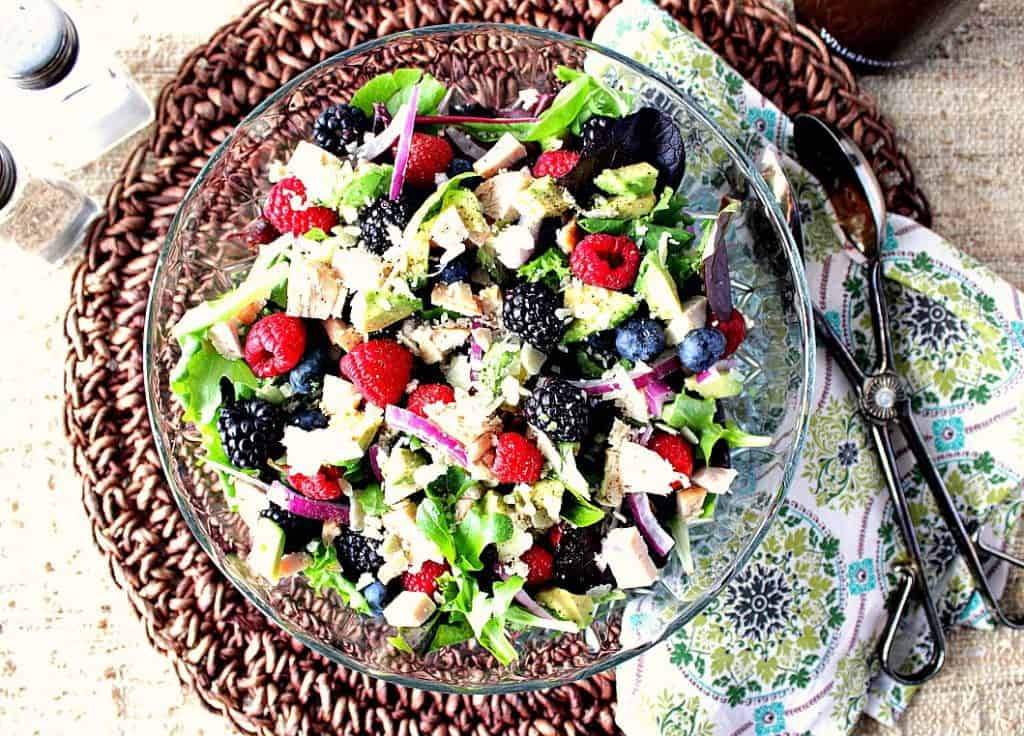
789,647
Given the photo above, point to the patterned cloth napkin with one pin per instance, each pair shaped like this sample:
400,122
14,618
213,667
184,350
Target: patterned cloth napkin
789,646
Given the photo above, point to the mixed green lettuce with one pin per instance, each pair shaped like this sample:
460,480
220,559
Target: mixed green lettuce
698,415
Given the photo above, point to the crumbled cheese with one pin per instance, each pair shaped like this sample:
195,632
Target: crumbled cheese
432,343
506,151
715,480
223,336
321,173
456,297
395,560
308,450
645,471
626,554
521,540
409,609
340,397
457,372
358,269
468,417
364,580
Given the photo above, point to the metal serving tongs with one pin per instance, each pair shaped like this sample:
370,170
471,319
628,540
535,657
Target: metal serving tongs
857,198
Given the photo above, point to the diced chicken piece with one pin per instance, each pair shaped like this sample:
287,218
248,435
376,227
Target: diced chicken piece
694,316
690,502
433,343
449,232
645,471
401,521
224,338
498,195
317,168
715,480
409,609
395,560
567,236
505,152
358,269
611,491
248,314
628,397
314,291
457,297
466,418
308,450
514,245
490,303
471,495
342,335
340,397
626,554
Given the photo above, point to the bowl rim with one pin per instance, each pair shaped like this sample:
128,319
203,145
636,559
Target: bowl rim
803,307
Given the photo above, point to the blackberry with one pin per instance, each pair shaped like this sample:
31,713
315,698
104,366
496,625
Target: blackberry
339,125
560,410
251,432
298,530
595,133
597,354
356,553
375,220
575,560
529,311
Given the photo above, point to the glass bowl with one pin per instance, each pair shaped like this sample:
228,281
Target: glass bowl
491,63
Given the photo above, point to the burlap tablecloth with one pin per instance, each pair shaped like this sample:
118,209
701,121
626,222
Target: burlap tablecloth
73,658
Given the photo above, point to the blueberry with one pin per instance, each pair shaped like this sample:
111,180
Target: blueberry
639,339
701,349
308,375
462,166
375,594
457,270
309,420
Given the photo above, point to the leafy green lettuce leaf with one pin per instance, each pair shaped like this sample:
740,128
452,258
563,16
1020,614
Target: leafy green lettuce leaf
550,268
256,287
435,522
196,380
325,572
698,415
480,527
579,511
369,182
485,615
394,89
519,617
371,500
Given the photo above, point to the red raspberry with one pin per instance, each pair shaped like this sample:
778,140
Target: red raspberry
609,261
275,345
555,536
322,486
424,580
429,155
380,369
555,163
429,393
675,449
295,221
517,459
734,329
541,564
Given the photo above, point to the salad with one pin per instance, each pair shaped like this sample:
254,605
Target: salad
470,382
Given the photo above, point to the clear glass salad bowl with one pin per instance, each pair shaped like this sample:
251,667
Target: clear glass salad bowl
492,64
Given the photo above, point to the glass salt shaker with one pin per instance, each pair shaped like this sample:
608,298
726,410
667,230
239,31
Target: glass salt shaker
41,216
74,102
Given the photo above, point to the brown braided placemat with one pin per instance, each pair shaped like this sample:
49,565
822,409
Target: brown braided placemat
221,646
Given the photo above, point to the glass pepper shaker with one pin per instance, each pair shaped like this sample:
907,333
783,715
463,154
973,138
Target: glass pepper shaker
74,101
41,216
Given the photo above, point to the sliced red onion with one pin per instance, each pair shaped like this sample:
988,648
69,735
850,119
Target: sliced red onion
458,119
659,539
657,393
404,144
374,453
659,370
476,352
382,142
464,143
703,376
427,432
445,104
644,434
543,103
523,599
381,116
309,508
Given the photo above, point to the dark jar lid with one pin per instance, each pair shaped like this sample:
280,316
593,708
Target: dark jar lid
8,175
38,46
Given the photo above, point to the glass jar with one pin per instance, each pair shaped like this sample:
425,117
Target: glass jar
41,216
74,101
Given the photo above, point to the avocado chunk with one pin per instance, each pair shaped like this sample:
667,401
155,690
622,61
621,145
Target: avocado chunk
470,211
500,360
595,309
543,198
635,180
576,608
399,481
376,309
267,549
716,385
656,285
622,206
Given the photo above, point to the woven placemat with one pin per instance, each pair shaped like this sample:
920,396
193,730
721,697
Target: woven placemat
238,663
